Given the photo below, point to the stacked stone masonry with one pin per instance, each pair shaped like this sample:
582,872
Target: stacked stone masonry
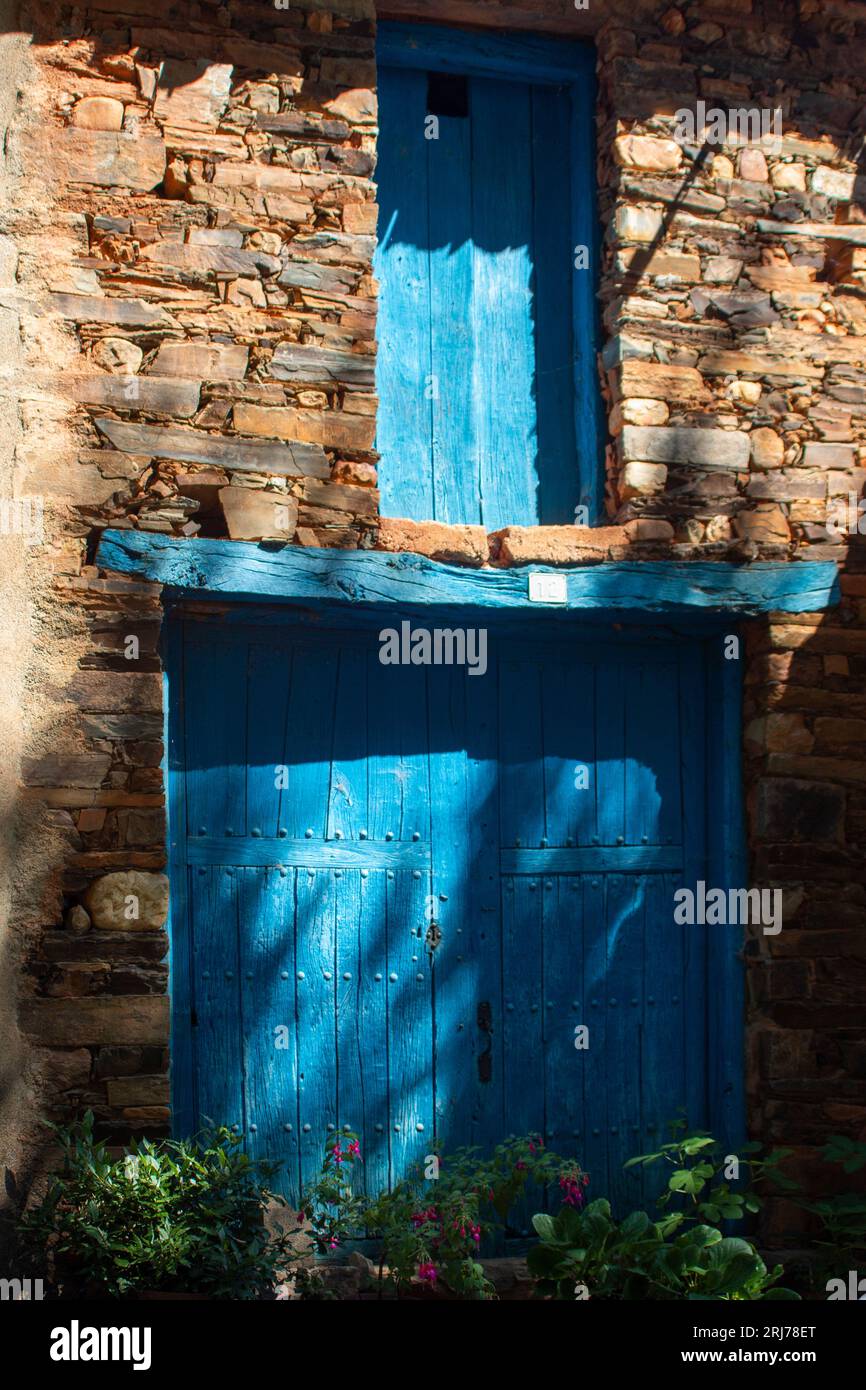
190,262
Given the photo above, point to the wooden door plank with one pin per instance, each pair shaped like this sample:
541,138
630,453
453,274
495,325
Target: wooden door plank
568,699
625,907
402,265
456,478
521,754
653,813
373,1026
398,789
267,1017
553,273
563,1001
316,1005
696,941
351,1046
215,699
665,1063
610,751
309,742
347,803
596,1077
268,686
503,381
410,1031
455,998
483,924
216,999
523,1041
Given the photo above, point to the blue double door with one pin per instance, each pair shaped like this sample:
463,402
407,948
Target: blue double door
398,891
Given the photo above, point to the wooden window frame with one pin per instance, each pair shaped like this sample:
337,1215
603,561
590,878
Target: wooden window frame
553,62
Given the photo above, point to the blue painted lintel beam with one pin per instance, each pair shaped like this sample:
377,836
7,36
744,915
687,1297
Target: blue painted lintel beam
292,574
523,56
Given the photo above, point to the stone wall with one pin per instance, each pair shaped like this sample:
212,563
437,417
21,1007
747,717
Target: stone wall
189,255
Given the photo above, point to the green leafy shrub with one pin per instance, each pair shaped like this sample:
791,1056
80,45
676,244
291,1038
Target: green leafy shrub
842,1244
697,1189
175,1216
585,1253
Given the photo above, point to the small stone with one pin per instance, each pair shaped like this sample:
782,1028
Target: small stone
253,514
833,183
787,733
646,528
247,292
638,411
128,901
118,355
722,167
176,179
452,545
707,32
753,166
642,479
836,666
765,524
789,176
358,106
77,919
672,21
718,529
646,152
710,448
638,223
722,270
557,545
98,113
749,392
767,448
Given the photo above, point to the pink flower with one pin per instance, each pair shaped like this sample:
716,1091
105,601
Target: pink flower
571,1186
355,1148
428,1272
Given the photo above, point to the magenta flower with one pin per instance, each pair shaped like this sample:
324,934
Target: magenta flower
427,1272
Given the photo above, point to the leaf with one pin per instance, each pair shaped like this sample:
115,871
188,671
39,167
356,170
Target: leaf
544,1226
634,1225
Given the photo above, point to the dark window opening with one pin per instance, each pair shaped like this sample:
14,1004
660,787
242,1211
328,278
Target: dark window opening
447,94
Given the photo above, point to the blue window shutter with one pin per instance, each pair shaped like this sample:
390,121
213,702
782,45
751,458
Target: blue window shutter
479,315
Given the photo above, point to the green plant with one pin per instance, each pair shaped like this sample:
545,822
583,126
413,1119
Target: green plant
585,1253
842,1245
179,1215
699,1188
334,1212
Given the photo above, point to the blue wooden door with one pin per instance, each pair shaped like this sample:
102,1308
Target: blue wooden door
326,810
478,342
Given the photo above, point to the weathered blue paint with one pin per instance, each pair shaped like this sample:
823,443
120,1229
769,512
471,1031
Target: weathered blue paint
489,408
421,792
524,57
409,583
